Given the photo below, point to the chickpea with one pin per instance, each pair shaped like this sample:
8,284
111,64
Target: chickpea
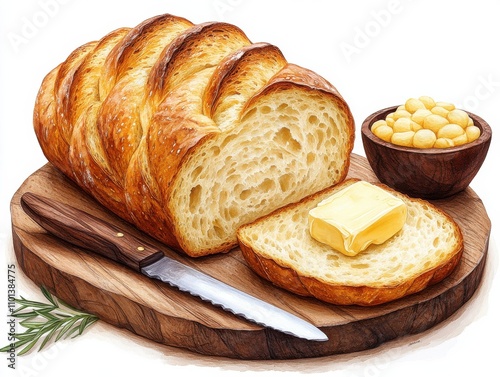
450,131
413,105
472,133
402,125
459,117
390,119
424,138
460,140
440,111
434,122
378,123
401,114
419,115
384,132
427,101
404,139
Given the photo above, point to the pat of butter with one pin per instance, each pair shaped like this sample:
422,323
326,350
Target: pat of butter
357,216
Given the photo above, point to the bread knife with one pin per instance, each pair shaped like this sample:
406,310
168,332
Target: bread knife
91,233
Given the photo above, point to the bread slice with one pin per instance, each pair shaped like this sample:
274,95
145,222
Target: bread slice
190,131
279,248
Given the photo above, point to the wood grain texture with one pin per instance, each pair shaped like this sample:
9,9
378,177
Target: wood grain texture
165,315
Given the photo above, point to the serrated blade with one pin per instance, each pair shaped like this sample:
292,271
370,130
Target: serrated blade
231,299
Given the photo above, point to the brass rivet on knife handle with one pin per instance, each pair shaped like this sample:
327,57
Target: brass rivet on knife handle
86,231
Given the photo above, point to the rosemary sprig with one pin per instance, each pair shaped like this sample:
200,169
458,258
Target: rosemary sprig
44,320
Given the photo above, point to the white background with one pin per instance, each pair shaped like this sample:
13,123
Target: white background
377,53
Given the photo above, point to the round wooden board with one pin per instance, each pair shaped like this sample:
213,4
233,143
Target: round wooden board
163,314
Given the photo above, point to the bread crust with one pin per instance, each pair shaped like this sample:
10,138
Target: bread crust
290,279
221,82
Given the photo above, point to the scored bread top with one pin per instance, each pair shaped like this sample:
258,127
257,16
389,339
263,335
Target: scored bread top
189,131
280,248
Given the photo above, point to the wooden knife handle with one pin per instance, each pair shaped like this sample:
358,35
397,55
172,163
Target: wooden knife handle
89,232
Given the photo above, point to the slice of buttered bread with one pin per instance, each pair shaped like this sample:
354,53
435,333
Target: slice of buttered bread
280,248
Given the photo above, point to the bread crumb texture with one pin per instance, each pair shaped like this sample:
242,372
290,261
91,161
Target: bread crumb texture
244,179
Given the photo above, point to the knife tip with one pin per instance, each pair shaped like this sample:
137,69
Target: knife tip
313,334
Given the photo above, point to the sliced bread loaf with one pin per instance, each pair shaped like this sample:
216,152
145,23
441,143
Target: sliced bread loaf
279,248
189,131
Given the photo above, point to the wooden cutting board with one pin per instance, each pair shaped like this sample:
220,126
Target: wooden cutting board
163,314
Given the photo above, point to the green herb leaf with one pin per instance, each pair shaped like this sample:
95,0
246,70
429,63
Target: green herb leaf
44,321
47,294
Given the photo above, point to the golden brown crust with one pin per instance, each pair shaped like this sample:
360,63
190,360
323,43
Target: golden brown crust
86,149
305,77
119,122
50,124
126,55
288,278
184,56
225,81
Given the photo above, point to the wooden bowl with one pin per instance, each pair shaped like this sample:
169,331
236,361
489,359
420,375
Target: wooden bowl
431,173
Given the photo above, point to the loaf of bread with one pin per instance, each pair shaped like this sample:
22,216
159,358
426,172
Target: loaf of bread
279,248
190,131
